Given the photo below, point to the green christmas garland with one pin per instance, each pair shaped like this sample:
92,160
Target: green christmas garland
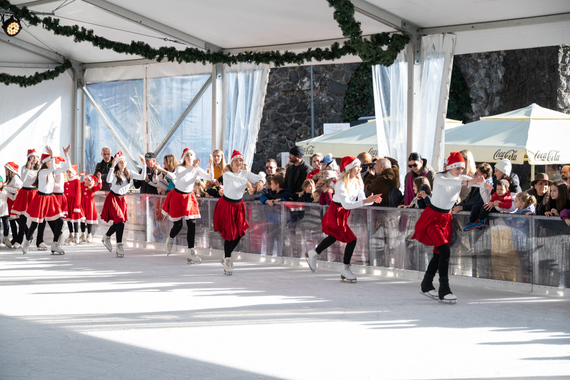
371,51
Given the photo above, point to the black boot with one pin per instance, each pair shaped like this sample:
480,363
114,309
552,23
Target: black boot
444,287
427,283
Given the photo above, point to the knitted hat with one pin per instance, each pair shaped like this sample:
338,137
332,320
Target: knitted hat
505,166
187,151
455,160
327,159
297,151
12,167
348,163
541,177
45,158
119,157
32,152
236,154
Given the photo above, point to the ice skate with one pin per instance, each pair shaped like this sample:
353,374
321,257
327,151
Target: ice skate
68,240
82,238
449,298
107,243
60,240
120,250
427,288
430,294
16,245
26,246
228,265
346,274
56,249
445,294
42,246
89,238
311,258
192,258
7,242
169,243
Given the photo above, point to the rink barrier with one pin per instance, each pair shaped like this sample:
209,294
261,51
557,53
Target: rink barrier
514,248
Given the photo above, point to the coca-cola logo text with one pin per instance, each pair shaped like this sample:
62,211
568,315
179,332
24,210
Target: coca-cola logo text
502,154
551,155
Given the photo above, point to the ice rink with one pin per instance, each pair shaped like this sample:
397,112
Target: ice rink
89,315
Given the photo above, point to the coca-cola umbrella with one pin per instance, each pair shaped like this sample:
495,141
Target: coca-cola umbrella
534,134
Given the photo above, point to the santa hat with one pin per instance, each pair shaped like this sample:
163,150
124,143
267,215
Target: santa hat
92,178
58,160
32,152
236,154
187,151
455,160
73,169
45,158
119,157
12,167
505,166
348,163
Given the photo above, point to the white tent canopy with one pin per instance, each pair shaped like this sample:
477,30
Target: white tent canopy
534,133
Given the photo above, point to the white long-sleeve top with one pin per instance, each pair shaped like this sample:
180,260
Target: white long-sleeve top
184,178
446,189
46,181
60,177
350,197
13,186
234,183
28,177
123,188
4,203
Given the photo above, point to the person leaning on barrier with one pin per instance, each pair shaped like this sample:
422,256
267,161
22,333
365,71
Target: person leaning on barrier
297,172
103,167
418,166
316,162
367,162
383,178
541,191
503,170
147,185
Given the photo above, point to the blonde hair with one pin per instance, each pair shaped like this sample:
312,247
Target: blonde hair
199,188
365,157
526,199
470,167
223,163
171,161
345,177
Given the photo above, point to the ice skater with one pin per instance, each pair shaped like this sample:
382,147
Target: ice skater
229,213
89,187
348,195
12,185
115,206
434,226
181,203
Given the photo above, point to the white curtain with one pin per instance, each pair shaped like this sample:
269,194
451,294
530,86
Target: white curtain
246,88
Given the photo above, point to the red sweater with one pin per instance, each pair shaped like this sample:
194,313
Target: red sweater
506,201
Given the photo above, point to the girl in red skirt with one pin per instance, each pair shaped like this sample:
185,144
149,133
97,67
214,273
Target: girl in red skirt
45,206
25,196
348,195
229,213
181,202
115,206
12,185
434,226
73,196
90,185
58,192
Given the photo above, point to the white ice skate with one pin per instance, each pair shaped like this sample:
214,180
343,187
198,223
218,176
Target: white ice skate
120,250
82,238
431,294
17,245
169,243
449,298
42,246
7,242
89,238
68,240
192,258
75,240
107,243
26,246
311,258
56,249
228,265
346,274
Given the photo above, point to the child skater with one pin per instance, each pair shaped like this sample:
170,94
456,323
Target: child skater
89,186
44,205
348,195
4,211
12,185
434,225
229,213
73,196
25,196
181,203
115,206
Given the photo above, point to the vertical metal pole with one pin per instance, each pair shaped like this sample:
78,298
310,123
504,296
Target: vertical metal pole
312,106
217,107
146,131
413,89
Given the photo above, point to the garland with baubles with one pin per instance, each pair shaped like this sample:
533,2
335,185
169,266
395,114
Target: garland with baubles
371,51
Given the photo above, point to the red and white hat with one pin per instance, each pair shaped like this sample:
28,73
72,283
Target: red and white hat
45,158
119,156
348,162
455,160
187,151
12,167
32,152
236,154
58,160
92,178
73,169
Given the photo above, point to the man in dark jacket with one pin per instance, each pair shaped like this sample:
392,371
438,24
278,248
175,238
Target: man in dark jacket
382,179
147,186
103,167
297,171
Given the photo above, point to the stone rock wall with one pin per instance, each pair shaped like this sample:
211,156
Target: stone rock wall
563,92
286,115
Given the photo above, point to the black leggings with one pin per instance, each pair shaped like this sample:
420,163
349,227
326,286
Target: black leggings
41,229
229,246
14,227
73,227
55,226
348,250
118,228
89,227
6,225
23,228
190,236
439,261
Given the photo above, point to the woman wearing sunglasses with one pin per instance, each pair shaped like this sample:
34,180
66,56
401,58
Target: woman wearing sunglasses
418,166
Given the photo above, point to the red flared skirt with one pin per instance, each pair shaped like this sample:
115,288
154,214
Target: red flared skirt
23,200
43,207
114,209
180,205
433,228
73,215
89,211
335,224
62,199
229,219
